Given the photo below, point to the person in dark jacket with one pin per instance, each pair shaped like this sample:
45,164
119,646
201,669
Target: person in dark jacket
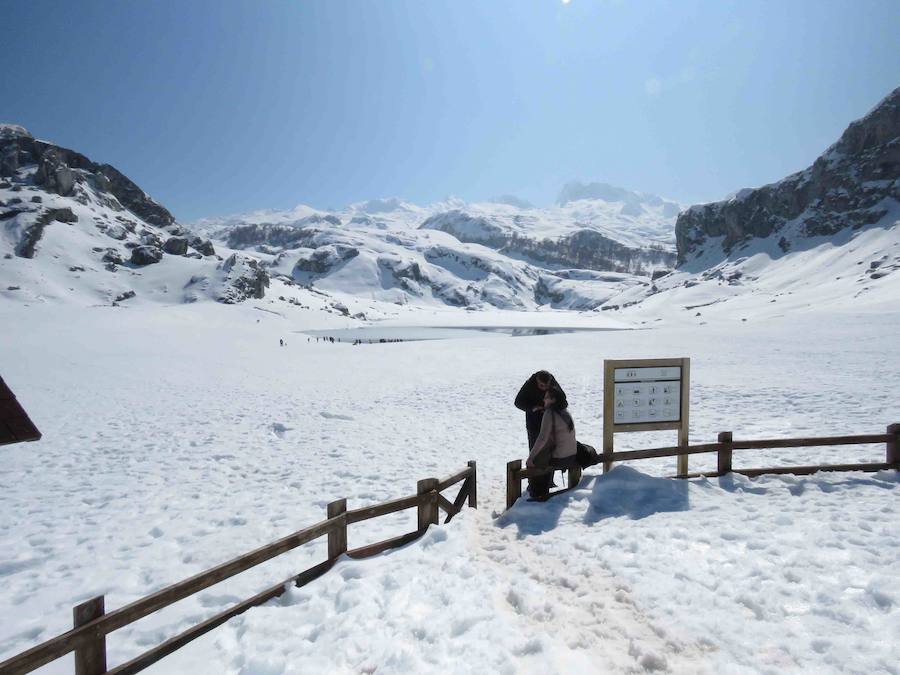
531,400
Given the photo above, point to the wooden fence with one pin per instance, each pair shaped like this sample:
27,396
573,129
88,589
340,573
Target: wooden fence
92,623
725,447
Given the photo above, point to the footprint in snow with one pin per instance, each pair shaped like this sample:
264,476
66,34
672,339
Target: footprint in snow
335,416
279,429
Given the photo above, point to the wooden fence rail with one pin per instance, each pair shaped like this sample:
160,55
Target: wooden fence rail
92,623
725,447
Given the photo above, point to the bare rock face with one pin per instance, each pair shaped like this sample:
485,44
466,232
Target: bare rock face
113,256
146,255
176,246
10,152
244,278
59,169
9,160
54,174
203,246
844,188
586,249
27,245
325,258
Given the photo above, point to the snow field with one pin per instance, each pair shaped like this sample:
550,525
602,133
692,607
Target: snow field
178,437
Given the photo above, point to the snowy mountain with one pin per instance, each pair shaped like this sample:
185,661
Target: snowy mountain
829,234
855,184
459,254
80,231
77,231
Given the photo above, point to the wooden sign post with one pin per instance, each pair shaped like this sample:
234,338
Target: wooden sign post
646,395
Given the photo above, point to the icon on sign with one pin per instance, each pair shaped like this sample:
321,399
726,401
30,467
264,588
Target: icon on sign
619,404
636,414
667,390
652,401
652,413
637,401
620,414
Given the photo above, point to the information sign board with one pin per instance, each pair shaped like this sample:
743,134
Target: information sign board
646,395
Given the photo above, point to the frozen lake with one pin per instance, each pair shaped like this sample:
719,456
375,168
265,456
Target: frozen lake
408,333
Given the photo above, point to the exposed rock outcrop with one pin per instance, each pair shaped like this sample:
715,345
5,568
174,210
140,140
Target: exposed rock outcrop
325,258
33,233
296,234
244,278
847,187
176,246
53,173
146,255
203,246
587,249
59,169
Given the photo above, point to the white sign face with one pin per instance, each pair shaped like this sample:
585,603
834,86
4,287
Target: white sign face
643,395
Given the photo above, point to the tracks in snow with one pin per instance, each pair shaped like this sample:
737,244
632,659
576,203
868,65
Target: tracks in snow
564,597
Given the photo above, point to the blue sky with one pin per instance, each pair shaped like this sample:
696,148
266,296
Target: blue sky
222,107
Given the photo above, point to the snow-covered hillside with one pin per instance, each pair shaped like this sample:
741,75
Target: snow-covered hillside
76,232
79,232
574,256
827,235
178,437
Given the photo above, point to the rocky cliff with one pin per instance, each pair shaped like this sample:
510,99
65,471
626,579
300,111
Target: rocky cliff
582,248
59,169
71,227
852,185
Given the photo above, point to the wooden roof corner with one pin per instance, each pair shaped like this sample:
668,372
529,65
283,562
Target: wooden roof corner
15,425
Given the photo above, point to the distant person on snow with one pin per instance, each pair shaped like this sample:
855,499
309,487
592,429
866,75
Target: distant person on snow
281,342
555,445
531,399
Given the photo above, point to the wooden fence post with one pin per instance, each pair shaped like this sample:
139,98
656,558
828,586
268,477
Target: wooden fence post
892,455
473,484
725,454
427,512
91,658
513,482
337,538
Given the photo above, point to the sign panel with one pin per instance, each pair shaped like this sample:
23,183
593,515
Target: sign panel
647,395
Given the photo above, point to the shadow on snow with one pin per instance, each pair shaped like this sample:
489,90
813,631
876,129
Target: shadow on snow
621,492
628,492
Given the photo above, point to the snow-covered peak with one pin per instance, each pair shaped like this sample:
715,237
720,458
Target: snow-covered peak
512,200
855,184
215,225
576,191
387,205
12,131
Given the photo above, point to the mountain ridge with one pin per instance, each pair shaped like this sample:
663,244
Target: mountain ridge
851,185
